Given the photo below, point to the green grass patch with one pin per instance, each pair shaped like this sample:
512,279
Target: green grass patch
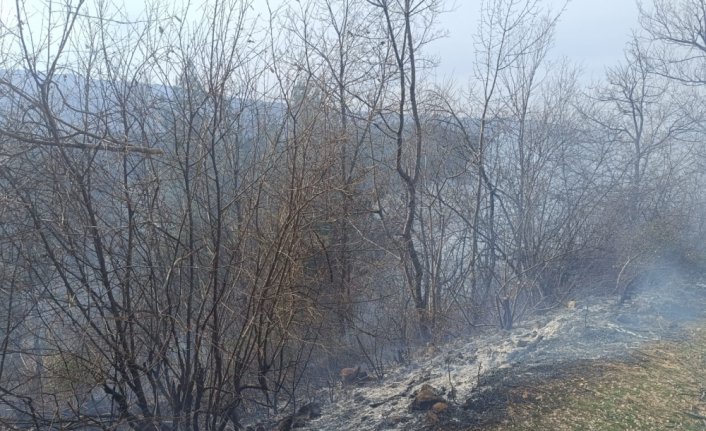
663,387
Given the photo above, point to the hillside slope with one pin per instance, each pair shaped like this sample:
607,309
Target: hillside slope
480,382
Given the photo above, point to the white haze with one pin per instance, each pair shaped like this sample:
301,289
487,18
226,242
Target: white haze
591,33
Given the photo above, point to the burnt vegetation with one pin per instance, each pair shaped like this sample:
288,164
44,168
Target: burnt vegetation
206,213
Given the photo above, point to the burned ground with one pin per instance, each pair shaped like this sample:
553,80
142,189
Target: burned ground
489,376
501,389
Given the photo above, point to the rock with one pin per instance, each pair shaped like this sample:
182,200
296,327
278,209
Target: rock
355,375
349,375
535,338
394,419
439,407
285,424
432,418
309,411
425,398
298,420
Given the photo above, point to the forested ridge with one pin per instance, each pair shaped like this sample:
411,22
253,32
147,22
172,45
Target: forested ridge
206,212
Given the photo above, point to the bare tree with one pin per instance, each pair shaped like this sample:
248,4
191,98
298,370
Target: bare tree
678,31
512,40
408,26
649,121
177,282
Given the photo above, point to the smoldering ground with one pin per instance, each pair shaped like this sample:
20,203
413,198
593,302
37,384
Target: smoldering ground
476,375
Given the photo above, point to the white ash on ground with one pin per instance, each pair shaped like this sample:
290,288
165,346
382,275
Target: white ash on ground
591,329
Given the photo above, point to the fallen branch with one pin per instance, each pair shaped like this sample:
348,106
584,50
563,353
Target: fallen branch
386,400
695,416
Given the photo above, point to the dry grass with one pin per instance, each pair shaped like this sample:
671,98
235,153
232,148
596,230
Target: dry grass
663,388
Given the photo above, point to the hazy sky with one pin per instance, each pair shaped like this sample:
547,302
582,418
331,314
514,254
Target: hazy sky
591,33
